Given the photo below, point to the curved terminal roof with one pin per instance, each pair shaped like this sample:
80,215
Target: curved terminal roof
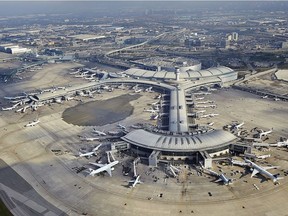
189,74
184,143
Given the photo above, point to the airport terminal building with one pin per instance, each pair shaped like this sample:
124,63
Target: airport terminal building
180,138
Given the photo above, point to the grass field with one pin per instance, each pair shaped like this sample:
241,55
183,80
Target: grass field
3,210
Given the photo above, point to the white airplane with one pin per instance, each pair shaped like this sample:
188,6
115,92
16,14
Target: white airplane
136,181
174,170
89,138
61,87
87,154
90,154
204,116
114,133
8,108
221,177
263,171
238,163
213,114
201,111
277,99
99,133
237,126
264,133
10,98
105,87
149,89
155,103
135,87
97,147
121,126
202,102
69,98
75,72
103,167
266,96
201,93
154,117
281,144
138,90
211,123
31,124
224,179
200,98
151,111
263,156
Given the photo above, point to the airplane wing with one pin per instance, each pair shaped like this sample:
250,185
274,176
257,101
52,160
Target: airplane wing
218,180
97,164
255,171
270,167
108,170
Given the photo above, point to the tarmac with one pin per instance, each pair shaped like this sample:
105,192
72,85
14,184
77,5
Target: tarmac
99,113
41,162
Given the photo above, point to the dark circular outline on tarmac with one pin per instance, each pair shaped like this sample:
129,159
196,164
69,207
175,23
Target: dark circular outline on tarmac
101,112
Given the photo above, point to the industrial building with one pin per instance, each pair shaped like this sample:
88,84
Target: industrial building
168,65
13,49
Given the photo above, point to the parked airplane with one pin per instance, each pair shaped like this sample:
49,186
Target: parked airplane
280,144
263,156
263,171
221,177
8,108
211,123
213,114
87,154
136,181
266,96
238,163
151,111
89,138
265,133
155,103
149,89
138,90
90,154
201,111
237,126
121,126
103,167
200,98
174,170
99,133
201,93
31,124
154,117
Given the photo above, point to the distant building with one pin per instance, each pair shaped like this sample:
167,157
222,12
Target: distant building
53,52
285,45
192,42
87,37
13,49
235,36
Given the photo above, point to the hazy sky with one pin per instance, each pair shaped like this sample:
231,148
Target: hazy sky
22,7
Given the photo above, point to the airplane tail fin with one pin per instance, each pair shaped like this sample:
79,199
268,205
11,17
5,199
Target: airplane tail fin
91,172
